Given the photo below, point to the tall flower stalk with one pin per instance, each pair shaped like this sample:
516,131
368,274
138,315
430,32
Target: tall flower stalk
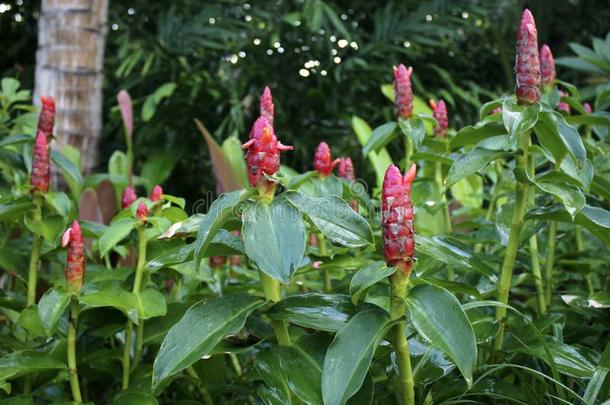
398,249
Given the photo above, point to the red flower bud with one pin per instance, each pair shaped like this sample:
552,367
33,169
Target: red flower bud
46,120
397,218
75,268
156,193
263,156
440,115
403,95
142,212
547,66
266,105
322,160
346,168
587,108
217,261
527,62
129,196
497,110
41,166
561,106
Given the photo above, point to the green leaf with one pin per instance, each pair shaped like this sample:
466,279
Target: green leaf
334,218
219,213
469,191
327,312
350,354
109,294
60,202
150,303
274,237
380,160
380,137
157,169
559,137
368,276
116,232
199,330
599,376
70,172
571,360
589,119
471,163
30,321
471,135
235,154
449,252
51,307
518,119
132,397
439,318
21,363
414,130
14,210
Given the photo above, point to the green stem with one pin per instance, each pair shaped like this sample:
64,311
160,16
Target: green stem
272,290
398,287
328,286
408,152
550,262
521,195
126,358
534,247
580,247
495,192
203,389
438,176
35,256
235,363
72,328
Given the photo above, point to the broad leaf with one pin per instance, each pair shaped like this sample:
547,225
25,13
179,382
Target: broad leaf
51,307
150,303
16,364
380,137
472,162
15,209
414,130
110,294
559,137
471,135
518,119
380,160
368,276
116,232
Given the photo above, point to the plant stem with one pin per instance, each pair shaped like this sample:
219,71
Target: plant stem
492,201
550,262
531,168
408,152
271,288
126,359
35,256
513,241
398,287
438,176
72,328
580,247
328,286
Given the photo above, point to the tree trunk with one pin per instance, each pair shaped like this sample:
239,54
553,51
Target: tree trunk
69,67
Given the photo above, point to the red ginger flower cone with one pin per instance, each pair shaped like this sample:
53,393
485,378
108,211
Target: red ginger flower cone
156,193
129,196
440,115
403,94
46,120
527,62
75,267
547,66
397,218
263,154
41,165
267,109
322,160
142,212
346,168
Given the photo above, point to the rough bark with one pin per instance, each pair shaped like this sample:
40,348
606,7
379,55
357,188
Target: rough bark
69,61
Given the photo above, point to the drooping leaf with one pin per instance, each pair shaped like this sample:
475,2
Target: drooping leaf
380,137
51,307
471,163
518,119
368,276
116,232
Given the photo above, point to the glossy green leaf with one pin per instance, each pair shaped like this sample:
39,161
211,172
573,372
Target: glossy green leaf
518,119
449,252
115,233
366,277
274,237
334,218
599,377
59,201
469,191
588,119
327,312
109,294
439,318
414,130
380,137
133,397
571,360
199,330
379,160
471,135
30,321
471,163
50,228
21,363
350,354
555,133
150,303
428,363
70,172
51,307
14,210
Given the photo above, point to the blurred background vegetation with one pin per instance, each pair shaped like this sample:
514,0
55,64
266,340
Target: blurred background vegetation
324,61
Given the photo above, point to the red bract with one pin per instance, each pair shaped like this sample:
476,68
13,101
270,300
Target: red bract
322,160
142,212
217,261
440,115
527,62
587,108
156,193
547,66
41,166
346,168
263,156
129,196
403,95
397,218
47,117
267,108
75,267
561,106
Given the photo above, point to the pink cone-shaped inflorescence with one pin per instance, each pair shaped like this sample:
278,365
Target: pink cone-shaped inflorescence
397,218
267,109
547,66
263,153
156,193
527,63
46,120
439,111
403,94
322,160
562,106
346,168
142,212
587,108
129,196
75,263
41,165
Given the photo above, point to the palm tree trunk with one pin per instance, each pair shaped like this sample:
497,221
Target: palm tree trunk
69,62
